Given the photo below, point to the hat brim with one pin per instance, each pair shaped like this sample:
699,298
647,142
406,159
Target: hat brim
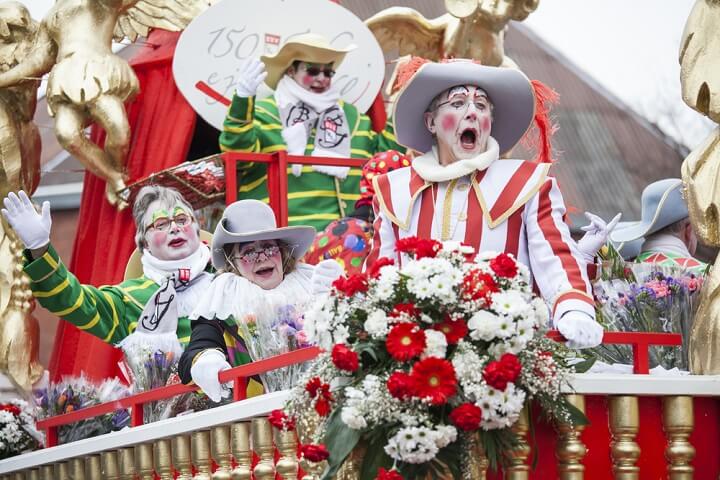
509,91
277,64
665,213
298,238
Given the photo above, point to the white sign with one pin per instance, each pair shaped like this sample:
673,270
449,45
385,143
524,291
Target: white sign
212,48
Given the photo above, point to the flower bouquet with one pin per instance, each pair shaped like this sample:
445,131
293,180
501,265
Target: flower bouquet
284,333
75,393
17,429
422,359
647,297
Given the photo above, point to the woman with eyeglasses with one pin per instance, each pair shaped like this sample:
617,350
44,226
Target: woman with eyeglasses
258,278
305,116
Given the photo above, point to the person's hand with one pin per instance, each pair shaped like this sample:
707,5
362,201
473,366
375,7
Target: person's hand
252,74
295,138
580,330
596,235
32,227
204,373
334,171
326,272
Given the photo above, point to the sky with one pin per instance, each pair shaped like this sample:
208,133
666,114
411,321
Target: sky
628,46
631,48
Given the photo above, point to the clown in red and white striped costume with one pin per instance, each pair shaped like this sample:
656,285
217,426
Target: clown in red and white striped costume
464,115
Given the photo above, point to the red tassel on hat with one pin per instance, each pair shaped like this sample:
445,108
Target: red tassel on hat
539,138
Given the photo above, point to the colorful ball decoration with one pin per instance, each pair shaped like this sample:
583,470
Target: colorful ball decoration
346,240
379,164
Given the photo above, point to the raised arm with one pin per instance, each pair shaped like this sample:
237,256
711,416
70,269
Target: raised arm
39,61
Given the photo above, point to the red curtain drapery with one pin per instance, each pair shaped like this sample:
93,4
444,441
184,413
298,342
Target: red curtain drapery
162,125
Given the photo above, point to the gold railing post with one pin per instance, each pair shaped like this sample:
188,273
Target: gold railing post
77,468
287,464
517,467
263,446
110,468
33,474
47,472
624,425
241,451
126,460
62,471
570,449
181,456
162,454
144,461
221,452
201,454
93,468
678,423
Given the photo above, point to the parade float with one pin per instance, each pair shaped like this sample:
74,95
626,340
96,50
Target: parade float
551,420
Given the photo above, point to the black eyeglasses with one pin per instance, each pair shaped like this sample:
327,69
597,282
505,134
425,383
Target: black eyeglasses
315,70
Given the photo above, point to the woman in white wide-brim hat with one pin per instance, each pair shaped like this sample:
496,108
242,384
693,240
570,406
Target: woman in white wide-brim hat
258,274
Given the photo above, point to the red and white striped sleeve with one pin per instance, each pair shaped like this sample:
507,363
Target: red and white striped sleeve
557,266
383,240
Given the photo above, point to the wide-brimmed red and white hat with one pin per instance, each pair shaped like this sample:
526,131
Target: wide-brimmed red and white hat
509,90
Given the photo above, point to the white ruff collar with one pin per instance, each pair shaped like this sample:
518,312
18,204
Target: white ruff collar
158,270
230,295
288,92
429,168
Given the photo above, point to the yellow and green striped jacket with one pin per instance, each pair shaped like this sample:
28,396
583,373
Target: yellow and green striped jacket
313,198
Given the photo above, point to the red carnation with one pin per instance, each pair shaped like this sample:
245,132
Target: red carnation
321,392
281,421
418,247
388,475
434,378
401,385
405,341
408,308
344,358
314,453
504,266
351,285
454,329
322,407
499,373
466,417
478,285
374,270
9,407
511,365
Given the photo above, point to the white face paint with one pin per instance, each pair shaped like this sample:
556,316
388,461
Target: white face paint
315,77
171,233
461,123
260,262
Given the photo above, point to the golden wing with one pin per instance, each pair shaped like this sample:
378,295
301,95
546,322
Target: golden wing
172,15
408,31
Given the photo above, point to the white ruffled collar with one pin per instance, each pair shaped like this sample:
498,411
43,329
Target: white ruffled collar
429,168
158,270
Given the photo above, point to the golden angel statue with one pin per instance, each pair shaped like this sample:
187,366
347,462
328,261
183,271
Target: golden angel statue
471,29
87,82
700,80
19,169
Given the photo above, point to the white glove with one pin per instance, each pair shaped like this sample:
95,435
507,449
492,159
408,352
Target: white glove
252,74
32,228
339,172
204,373
326,272
596,235
580,330
295,138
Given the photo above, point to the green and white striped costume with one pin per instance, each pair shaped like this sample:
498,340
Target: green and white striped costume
313,198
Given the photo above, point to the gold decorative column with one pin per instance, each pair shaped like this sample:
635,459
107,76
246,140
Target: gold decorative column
517,467
144,461
624,426
570,449
93,468
111,470
241,451
351,467
221,452
201,454
33,474
126,461
77,468
678,423
47,472
181,456
287,465
262,443
162,454
62,472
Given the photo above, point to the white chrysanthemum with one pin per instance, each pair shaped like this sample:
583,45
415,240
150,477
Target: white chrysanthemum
435,344
352,417
413,445
445,435
484,325
340,334
377,324
485,256
542,312
511,303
